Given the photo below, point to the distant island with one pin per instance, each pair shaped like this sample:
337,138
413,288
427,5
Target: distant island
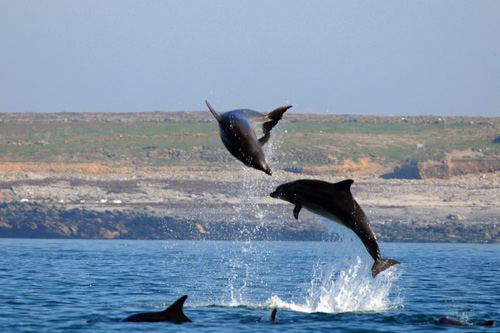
166,175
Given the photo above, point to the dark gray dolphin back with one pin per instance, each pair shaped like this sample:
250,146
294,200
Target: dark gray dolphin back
454,322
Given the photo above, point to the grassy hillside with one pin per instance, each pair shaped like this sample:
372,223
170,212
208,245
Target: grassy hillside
187,138
394,141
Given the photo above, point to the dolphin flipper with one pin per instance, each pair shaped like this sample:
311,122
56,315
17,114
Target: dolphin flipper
382,264
274,117
264,139
296,211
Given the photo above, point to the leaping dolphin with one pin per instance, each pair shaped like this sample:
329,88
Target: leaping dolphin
335,202
173,313
237,134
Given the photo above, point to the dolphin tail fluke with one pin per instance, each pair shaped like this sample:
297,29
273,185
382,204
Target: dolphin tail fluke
382,264
216,115
273,118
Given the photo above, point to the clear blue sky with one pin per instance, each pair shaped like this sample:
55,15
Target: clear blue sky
337,57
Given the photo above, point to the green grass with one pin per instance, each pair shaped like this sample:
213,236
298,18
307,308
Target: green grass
119,142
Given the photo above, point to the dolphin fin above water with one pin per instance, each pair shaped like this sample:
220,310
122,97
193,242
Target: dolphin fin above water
271,318
174,313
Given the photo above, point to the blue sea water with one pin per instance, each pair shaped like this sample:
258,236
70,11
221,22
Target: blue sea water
90,285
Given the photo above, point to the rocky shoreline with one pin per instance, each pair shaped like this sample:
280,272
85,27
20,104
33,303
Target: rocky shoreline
234,203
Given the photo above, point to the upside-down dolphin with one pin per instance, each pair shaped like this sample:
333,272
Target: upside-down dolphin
335,202
237,134
173,313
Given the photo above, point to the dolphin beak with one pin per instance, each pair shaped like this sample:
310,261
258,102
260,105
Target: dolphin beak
265,167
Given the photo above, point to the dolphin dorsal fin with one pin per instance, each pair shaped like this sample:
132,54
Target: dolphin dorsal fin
344,185
177,306
272,317
216,115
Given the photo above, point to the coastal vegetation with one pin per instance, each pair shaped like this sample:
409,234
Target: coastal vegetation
191,138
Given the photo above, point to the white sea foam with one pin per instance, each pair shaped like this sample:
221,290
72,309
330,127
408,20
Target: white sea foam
343,283
348,290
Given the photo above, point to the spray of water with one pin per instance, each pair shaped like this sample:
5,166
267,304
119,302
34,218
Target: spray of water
255,185
342,282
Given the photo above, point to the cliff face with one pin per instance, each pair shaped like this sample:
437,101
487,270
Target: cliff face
443,169
349,168
174,203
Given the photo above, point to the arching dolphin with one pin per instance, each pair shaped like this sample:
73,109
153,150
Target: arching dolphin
173,313
237,134
335,202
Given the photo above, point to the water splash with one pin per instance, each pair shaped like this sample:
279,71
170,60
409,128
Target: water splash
351,290
256,185
340,280
343,282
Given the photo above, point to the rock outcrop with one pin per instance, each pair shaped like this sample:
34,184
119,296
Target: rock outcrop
443,169
32,220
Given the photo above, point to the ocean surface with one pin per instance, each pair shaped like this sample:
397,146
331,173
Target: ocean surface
90,285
